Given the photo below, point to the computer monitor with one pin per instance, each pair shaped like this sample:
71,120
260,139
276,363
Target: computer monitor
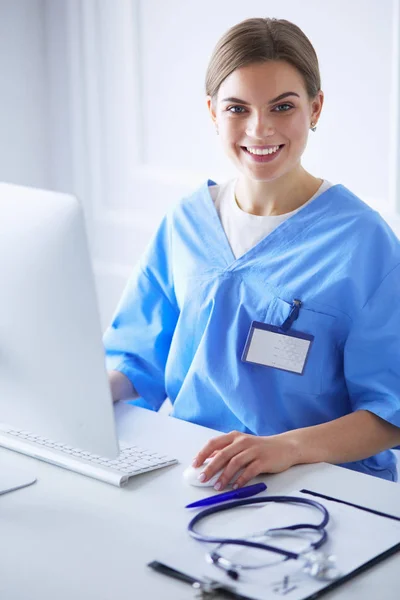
53,379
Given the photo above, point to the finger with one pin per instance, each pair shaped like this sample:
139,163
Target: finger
211,448
252,470
239,443
236,464
216,465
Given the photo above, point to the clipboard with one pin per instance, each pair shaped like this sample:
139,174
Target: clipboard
365,566
232,590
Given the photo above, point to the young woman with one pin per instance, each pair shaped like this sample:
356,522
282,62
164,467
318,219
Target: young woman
268,307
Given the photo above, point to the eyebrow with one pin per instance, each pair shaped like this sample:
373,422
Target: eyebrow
280,97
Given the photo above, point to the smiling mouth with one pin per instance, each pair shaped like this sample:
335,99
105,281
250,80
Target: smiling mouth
262,154
262,151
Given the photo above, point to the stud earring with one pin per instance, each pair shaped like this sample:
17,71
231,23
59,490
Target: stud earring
313,126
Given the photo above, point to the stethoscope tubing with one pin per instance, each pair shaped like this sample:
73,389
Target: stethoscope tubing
319,528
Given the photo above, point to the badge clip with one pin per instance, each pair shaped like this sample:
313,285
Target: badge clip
293,315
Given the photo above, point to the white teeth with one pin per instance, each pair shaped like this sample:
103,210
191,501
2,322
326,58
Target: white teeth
263,151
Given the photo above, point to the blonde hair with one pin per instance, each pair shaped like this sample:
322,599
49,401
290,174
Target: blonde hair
258,40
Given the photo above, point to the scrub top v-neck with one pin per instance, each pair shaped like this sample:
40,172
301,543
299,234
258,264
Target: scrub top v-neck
245,230
214,235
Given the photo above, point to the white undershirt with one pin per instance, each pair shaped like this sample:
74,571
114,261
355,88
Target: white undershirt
242,229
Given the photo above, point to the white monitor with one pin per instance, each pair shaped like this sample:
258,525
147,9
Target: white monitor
53,379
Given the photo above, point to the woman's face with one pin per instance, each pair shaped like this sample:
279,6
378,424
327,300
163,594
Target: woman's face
263,115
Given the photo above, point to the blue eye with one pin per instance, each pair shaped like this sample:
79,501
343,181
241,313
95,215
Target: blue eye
282,107
236,110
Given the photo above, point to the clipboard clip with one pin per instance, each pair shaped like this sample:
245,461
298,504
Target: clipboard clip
206,588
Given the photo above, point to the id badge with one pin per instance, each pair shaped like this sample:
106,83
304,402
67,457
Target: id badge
269,346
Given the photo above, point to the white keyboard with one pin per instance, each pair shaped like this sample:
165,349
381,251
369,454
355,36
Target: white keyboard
131,461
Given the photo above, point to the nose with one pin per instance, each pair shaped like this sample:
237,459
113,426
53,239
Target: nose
260,126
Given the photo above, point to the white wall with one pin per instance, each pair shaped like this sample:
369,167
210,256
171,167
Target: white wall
57,86
24,148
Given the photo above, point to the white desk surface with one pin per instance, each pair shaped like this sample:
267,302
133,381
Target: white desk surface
69,537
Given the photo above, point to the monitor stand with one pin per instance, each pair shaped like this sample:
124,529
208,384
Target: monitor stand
13,479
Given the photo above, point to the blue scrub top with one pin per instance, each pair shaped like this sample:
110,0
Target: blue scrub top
182,323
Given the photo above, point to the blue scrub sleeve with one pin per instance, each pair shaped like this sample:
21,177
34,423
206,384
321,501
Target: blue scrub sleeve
138,341
372,353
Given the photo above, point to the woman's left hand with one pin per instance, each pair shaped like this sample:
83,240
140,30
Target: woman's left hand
254,454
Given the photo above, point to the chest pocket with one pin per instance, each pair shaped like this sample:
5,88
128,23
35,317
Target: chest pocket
324,358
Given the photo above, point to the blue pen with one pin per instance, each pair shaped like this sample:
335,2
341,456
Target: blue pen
244,492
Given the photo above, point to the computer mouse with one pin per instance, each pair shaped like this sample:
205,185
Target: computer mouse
191,476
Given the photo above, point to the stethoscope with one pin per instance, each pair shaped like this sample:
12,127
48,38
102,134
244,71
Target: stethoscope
316,564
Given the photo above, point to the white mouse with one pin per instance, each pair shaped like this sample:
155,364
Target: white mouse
191,476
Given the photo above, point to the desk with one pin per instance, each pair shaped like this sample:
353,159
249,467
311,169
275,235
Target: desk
69,537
